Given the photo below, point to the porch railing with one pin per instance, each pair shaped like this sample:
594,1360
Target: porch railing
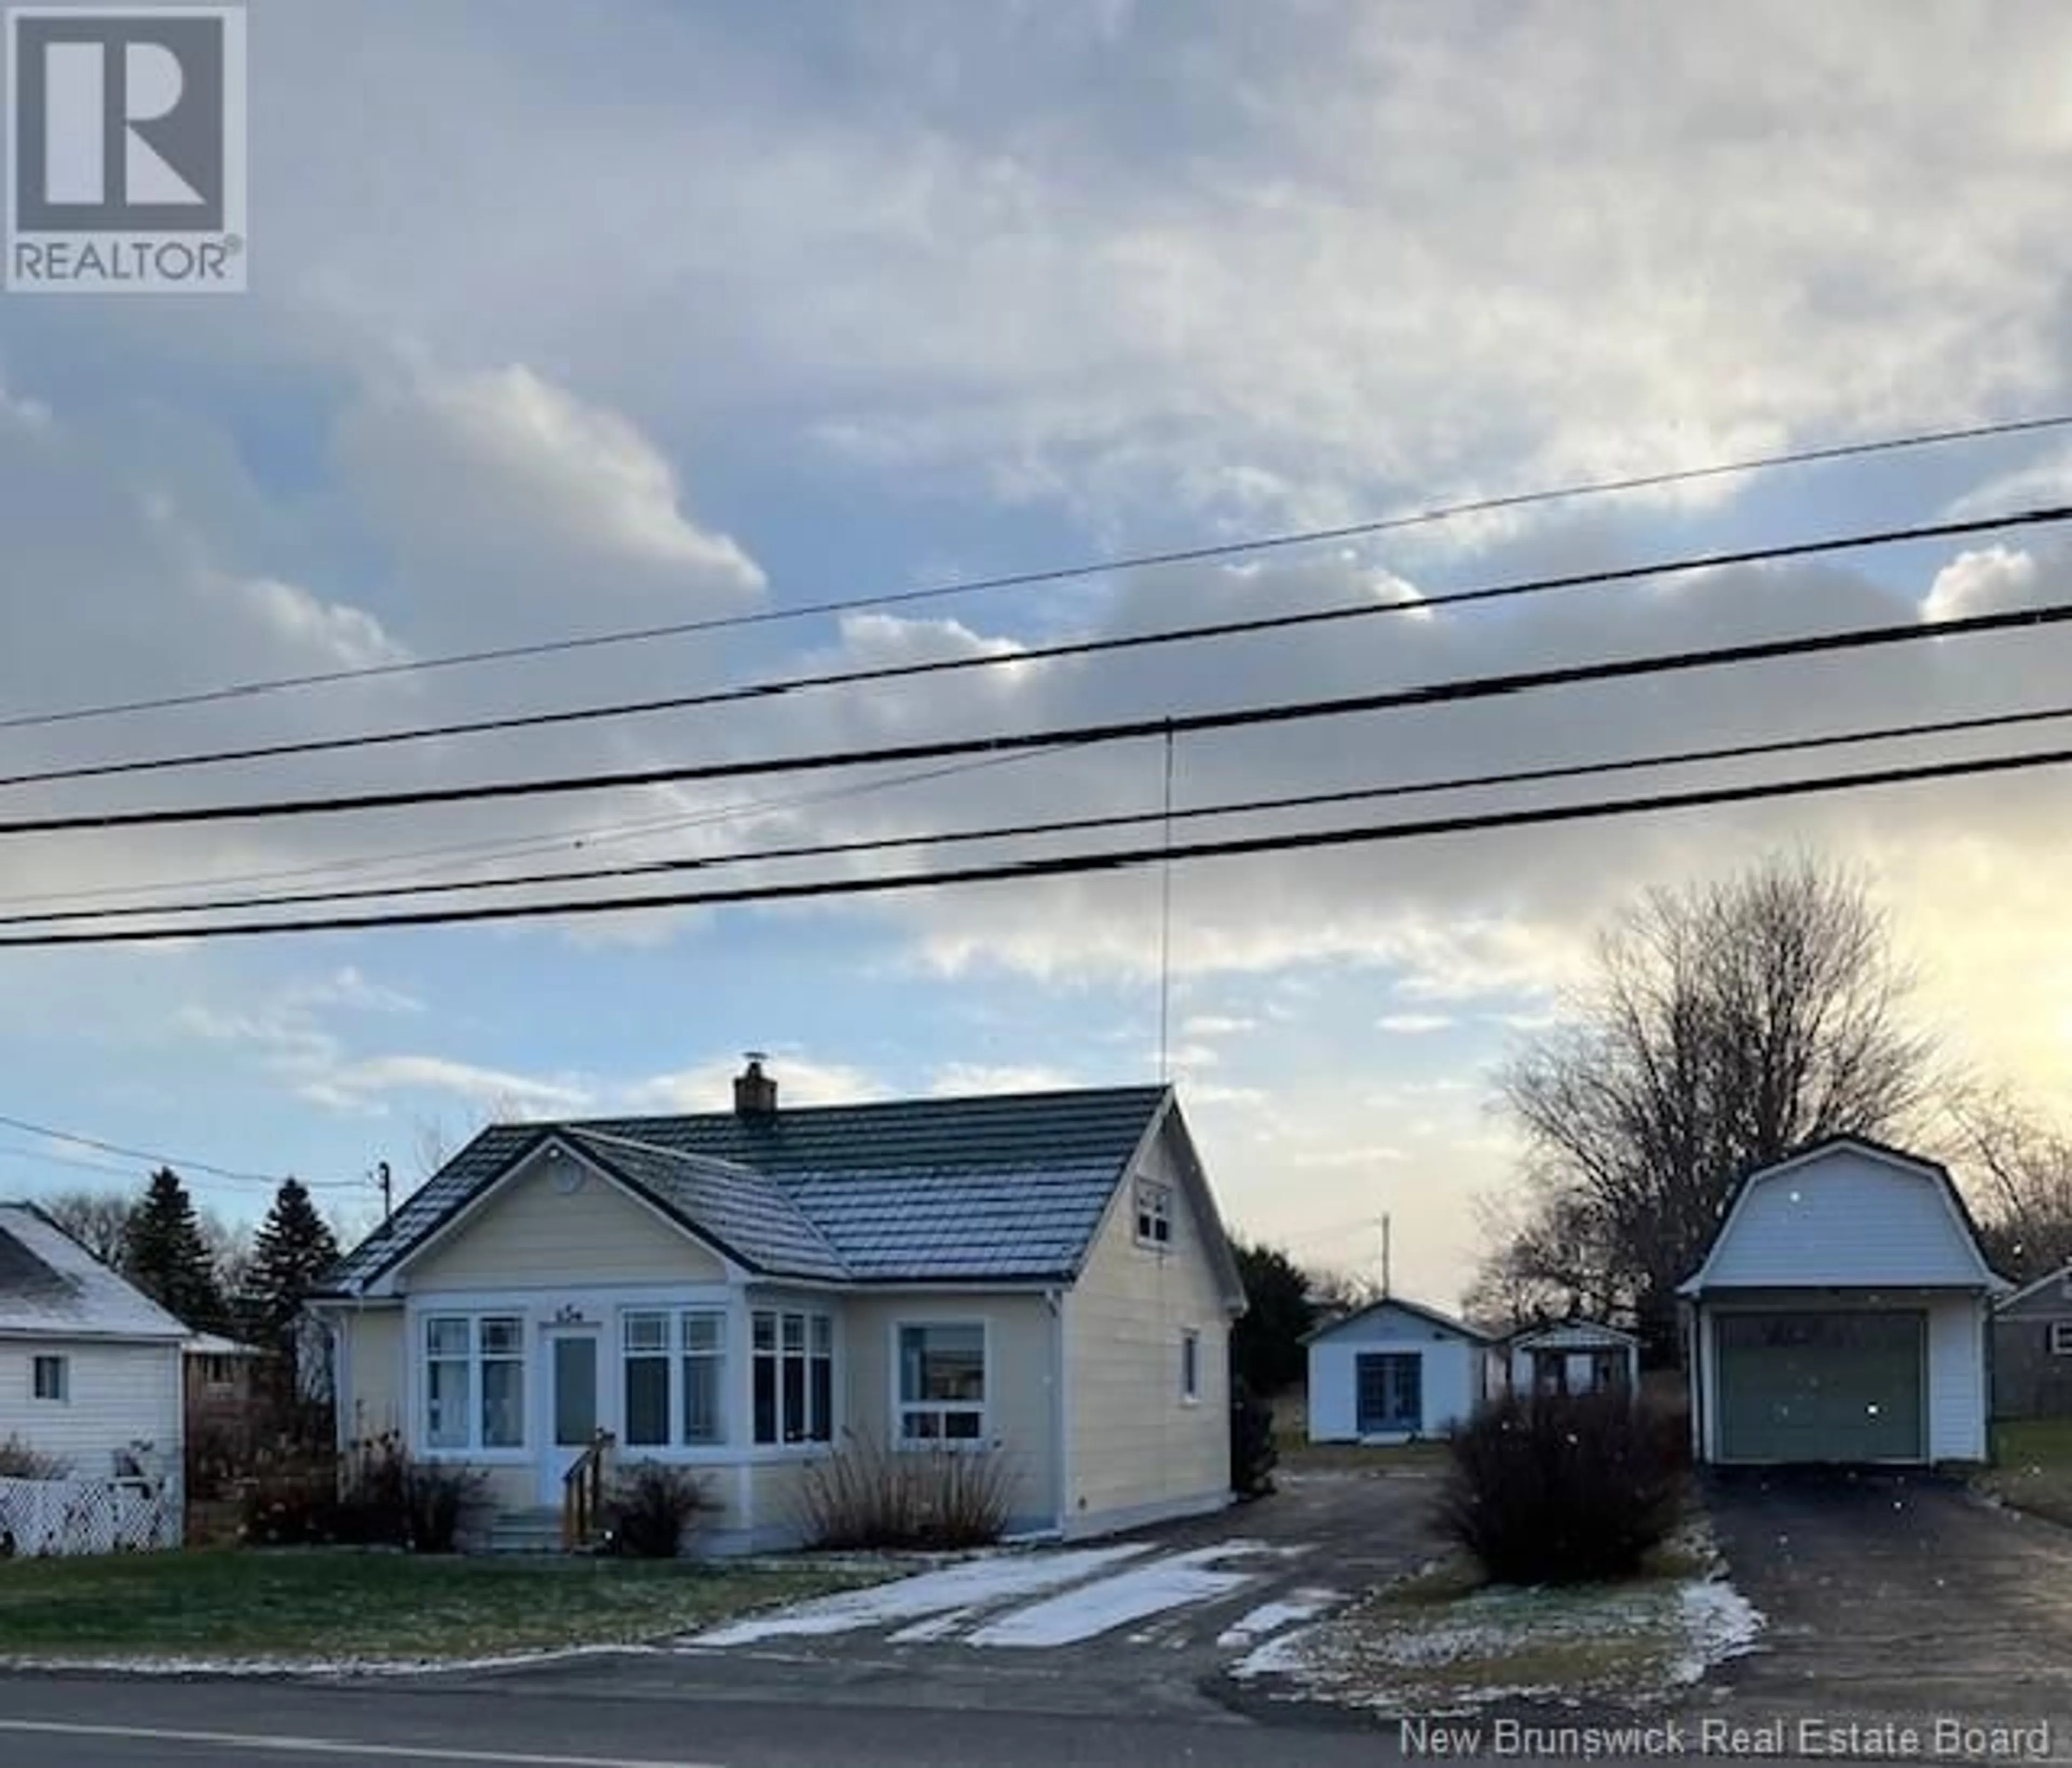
582,1495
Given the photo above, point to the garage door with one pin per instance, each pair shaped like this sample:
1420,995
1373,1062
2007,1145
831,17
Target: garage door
1820,1386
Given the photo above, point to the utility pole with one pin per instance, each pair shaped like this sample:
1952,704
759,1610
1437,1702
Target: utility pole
383,1183
1384,1255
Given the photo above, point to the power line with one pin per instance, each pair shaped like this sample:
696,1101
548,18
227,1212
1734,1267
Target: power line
1167,814
482,851
1066,573
229,1174
1073,864
1459,690
1251,626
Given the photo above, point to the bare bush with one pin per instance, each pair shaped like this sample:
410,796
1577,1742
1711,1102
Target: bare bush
868,1495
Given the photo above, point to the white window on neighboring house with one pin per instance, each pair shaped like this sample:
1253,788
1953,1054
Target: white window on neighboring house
942,1383
793,1386
2061,1338
1154,1214
474,1381
52,1380
1190,1366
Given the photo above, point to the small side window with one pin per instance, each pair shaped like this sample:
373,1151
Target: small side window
1154,1215
2061,1338
1190,1366
52,1379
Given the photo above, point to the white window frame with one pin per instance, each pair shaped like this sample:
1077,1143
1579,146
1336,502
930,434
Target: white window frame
2059,1340
1190,1367
56,1392
476,1361
815,1347
1153,1205
676,1354
943,1410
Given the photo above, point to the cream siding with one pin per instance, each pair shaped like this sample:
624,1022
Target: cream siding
118,1396
1842,1218
1020,1418
370,1342
528,1234
1138,1449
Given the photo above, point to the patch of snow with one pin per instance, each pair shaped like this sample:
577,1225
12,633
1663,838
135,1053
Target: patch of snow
1284,1656
1272,1617
937,1627
1719,1623
1178,1581
319,1668
978,1584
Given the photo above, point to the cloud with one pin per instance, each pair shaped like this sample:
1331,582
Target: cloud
1412,1024
1988,581
709,1085
960,1078
1216,1025
371,1083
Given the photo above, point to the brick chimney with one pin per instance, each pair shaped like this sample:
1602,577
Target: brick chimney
754,1092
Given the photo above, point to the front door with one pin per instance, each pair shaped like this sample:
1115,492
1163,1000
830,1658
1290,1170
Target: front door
571,1403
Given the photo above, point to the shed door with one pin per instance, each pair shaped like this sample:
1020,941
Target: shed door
1392,1392
1821,1387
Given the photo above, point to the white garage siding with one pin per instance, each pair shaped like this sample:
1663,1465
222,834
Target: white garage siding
1851,1225
1450,1365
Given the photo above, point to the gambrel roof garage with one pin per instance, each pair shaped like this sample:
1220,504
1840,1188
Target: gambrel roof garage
1841,1315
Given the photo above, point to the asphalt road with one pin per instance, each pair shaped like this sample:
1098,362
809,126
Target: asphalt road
69,1722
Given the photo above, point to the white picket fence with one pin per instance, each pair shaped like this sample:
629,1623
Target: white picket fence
52,1516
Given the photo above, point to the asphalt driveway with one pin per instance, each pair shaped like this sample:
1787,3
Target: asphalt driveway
1135,1624
1896,1597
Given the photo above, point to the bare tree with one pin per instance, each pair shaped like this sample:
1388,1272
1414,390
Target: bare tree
98,1220
2018,1171
1725,1025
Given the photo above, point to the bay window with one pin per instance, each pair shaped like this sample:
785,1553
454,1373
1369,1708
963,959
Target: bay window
942,1383
674,1364
793,1375
474,1381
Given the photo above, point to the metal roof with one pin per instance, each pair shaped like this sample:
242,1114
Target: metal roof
1574,1335
51,1286
1003,1188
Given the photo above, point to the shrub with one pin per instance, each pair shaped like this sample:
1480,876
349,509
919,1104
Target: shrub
1254,1454
18,1460
375,1495
1551,1490
651,1507
866,1495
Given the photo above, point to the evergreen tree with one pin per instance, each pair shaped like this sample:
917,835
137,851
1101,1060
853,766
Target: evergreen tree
294,1248
165,1256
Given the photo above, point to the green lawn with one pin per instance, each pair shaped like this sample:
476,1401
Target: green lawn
2033,1466
325,1606
1427,1456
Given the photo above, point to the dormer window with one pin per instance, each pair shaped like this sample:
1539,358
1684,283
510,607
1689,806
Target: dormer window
1154,1215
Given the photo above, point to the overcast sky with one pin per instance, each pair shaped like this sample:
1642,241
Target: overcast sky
565,319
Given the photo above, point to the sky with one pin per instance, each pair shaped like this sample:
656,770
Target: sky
563,320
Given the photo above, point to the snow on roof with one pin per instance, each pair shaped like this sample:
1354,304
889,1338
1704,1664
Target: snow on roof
214,1344
51,1286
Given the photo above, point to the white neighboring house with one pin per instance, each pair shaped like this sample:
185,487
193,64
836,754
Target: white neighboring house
1569,1357
1393,1371
1842,1315
90,1367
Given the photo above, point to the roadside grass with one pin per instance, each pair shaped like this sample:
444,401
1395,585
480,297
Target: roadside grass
1444,1641
1427,1456
317,1606
2033,1467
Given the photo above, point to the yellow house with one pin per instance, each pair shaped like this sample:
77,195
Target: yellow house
743,1291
